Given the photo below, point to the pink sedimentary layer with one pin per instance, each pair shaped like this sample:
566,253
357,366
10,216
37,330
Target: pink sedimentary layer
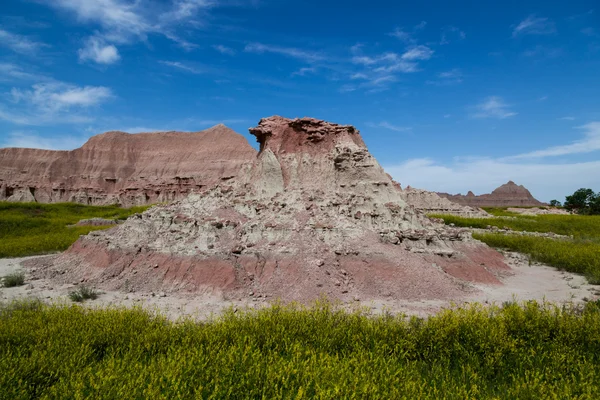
126,169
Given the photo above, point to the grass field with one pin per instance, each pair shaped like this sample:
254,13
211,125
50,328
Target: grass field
580,255
32,228
528,351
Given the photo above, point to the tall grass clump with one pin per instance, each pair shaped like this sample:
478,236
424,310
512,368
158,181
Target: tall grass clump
33,228
82,294
14,279
526,351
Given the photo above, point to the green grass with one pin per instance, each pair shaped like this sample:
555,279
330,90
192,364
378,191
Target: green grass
32,228
82,294
14,279
580,255
528,351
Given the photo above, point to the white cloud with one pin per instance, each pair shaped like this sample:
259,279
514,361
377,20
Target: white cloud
402,35
20,44
184,67
126,21
9,72
31,139
304,71
493,107
53,102
567,118
589,143
418,53
98,51
483,174
303,55
406,36
387,125
224,49
545,181
533,25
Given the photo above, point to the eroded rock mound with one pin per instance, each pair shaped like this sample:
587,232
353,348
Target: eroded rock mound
432,203
313,214
508,195
126,169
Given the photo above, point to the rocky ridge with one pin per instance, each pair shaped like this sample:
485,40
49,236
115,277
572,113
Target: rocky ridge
508,195
432,203
313,214
127,169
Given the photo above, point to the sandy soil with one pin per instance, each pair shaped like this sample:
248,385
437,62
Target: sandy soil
526,282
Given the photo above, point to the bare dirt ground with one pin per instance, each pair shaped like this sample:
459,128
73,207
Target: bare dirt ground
525,282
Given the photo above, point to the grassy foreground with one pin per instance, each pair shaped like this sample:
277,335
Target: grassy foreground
32,228
528,351
580,255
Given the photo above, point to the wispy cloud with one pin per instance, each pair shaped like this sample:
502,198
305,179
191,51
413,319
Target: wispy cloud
224,49
52,102
534,25
408,37
567,118
452,34
589,31
451,77
10,72
546,180
483,174
19,43
589,143
182,66
387,125
98,51
304,71
125,21
492,107
303,55
543,52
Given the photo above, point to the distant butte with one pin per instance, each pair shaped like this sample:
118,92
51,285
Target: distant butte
508,195
126,169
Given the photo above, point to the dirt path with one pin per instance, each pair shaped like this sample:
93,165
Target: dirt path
527,282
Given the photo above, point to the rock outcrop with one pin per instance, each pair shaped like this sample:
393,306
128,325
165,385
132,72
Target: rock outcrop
508,195
432,203
313,214
126,169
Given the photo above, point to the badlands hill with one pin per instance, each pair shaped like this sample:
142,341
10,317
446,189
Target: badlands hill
126,169
312,214
508,195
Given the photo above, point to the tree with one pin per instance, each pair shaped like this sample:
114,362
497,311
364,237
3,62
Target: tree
555,203
584,201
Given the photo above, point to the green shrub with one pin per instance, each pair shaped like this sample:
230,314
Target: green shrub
83,293
14,279
521,351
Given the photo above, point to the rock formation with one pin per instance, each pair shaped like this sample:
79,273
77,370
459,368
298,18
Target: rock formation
120,168
508,195
313,214
432,203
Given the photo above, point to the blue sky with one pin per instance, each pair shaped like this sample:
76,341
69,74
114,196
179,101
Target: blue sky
449,96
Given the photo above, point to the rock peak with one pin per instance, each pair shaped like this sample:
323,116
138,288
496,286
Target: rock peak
292,135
